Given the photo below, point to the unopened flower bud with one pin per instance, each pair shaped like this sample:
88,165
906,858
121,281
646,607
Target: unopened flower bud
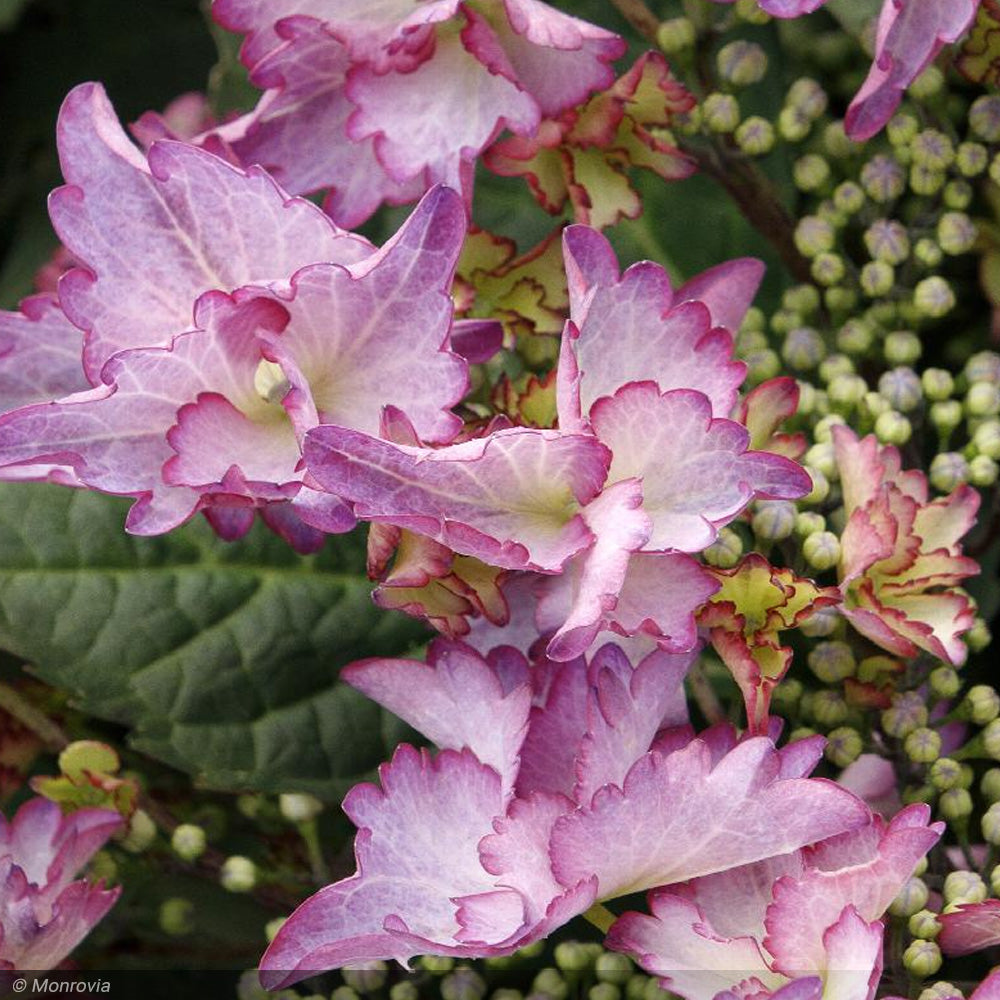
945,773
783,321
986,439
883,179
808,523
808,96
462,984
945,682
803,299
439,965
793,125
188,841
956,233
141,833
238,874
991,825
571,956
828,269
991,738
948,471
751,13
762,365
964,887
846,391
843,746
989,785
741,63
550,983
902,388
755,136
822,550
810,172
887,240
405,989
984,117
983,399
821,457
937,384
829,369
983,366
725,551
803,348
924,924
972,159
928,84
721,113
932,148
955,804
836,143
177,916
981,704
925,180
893,428
983,471
940,991
923,745
829,709
957,195
906,713
613,967
774,520
946,415
820,623
855,336
814,236
901,129
299,807
933,297
675,35
877,278
912,898
922,959
902,347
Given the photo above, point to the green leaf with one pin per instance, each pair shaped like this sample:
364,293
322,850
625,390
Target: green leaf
853,15
221,658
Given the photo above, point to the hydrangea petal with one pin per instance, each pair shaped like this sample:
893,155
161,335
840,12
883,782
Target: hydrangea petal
970,927
728,290
509,499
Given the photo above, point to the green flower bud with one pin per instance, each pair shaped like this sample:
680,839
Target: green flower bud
926,180
725,551
655,992
893,428
803,299
902,388
928,252
774,520
972,159
922,959
848,197
462,984
604,991
820,489
438,965
828,269
753,319
793,125
983,471
814,236
955,804
762,365
991,825
883,179
406,989
924,924
937,384
829,369
913,794
741,63
748,11
829,709
983,366
550,983
755,136
783,321
902,347
956,233
948,470
983,399
887,240
902,129
369,977
836,143
946,773
946,415
940,991
923,746
810,172
874,405
721,113
808,523
676,35
986,439
751,340
687,123
957,195
803,348
843,746
613,967
846,391
238,874
141,833
989,785
928,84
822,550
635,988
808,96
933,297
188,841
340,993
177,916
964,887
571,956
979,636
906,713
855,336
945,682
821,457
103,866
984,117
808,397
912,898
299,807
877,278
991,738
820,623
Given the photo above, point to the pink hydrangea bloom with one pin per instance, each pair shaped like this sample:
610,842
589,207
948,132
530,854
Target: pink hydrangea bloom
377,104
909,35
801,924
557,785
898,549
44,914
237,319
644,469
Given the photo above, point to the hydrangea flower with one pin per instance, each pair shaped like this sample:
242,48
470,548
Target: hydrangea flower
898,549
379,104
908,37
557,786
644,469
236,319
44,914
804,924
